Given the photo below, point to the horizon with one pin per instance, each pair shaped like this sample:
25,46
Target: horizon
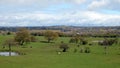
92,13
58,26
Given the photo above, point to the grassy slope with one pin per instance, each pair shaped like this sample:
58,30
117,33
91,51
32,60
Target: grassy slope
44,55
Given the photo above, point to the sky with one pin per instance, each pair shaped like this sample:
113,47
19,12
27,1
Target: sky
59,12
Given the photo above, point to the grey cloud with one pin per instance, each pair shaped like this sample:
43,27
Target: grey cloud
79,18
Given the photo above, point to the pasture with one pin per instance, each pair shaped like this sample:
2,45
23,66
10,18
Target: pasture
44,55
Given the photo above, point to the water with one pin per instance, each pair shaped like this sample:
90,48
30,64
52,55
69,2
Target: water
8,54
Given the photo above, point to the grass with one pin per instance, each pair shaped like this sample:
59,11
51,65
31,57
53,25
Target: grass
44,55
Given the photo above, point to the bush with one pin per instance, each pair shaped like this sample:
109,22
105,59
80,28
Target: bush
83,41
73,40
8,33
108,42
64,47
87,50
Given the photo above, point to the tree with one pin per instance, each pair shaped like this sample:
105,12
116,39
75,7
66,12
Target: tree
9,43
64,47
50,35
22,36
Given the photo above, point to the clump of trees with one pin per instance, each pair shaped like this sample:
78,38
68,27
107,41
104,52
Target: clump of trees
23,36
50,35
75,39
108,42
40,33
78,39
106,35
63,46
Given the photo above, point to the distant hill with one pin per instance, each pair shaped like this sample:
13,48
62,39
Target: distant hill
62,28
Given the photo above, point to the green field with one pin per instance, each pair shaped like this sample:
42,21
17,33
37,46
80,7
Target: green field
44,55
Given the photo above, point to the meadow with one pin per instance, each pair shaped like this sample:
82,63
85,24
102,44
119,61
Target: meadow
44,55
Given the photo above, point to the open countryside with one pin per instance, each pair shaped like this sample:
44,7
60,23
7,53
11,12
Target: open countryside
59,33
39,52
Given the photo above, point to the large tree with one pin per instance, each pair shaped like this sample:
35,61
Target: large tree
50,35
22,36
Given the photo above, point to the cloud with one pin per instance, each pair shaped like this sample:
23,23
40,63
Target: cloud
34,16
79,18
104,4
39,2
97,4
91,4
103,19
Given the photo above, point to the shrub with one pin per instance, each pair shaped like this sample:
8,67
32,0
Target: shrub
87,50
64,47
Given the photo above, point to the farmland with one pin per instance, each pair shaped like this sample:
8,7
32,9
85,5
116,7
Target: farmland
44,55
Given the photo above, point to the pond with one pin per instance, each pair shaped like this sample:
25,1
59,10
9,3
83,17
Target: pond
8,54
